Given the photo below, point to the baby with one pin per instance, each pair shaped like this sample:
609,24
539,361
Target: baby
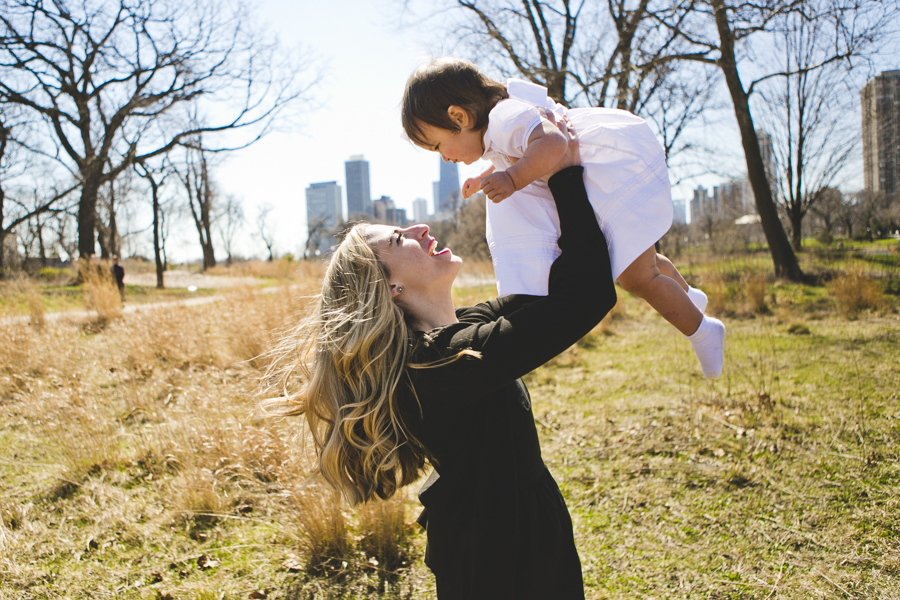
451,107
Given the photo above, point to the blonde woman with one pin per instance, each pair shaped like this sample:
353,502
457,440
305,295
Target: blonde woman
393,378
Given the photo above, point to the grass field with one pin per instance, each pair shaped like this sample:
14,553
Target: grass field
132,466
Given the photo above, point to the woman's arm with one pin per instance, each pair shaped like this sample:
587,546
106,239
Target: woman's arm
581,292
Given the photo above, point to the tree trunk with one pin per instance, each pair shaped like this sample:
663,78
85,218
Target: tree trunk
157,255
87,207
2,245
783,256
796,228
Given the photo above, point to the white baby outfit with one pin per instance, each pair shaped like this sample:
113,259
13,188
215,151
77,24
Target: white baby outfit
624,173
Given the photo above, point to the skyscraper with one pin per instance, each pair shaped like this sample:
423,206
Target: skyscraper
323,214
448,195
420,210
359,196
881,133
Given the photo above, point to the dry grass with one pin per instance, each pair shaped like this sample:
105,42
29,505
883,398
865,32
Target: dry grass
132,466
279,269
854,292
323,530
101,294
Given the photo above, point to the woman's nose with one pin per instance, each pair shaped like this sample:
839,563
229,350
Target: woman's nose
419,231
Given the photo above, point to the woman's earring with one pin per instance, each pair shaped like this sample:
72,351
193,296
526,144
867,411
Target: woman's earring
399,289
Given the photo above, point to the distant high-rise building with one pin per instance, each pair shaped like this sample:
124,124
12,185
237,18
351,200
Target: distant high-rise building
700,204
420,210
881,133
323,215
448,195
359,195
385,211
679,215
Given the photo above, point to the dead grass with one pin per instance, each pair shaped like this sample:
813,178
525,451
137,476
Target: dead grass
101,294
132,466
854,292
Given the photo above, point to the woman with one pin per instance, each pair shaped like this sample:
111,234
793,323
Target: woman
393,377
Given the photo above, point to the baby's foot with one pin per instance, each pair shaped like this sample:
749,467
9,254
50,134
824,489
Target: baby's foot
709,346
698,298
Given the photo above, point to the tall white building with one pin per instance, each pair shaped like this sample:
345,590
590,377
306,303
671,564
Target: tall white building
420,210
323,216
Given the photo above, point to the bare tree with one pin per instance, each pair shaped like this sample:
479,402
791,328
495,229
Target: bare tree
194,173
810,113
609,53
230,220
156,178
108,78
855,26
265,230
23,204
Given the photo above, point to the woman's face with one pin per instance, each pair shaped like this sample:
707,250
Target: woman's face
412,257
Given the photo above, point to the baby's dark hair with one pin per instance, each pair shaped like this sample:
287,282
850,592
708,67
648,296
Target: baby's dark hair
446,82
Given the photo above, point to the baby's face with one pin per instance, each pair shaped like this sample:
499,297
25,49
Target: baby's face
465,146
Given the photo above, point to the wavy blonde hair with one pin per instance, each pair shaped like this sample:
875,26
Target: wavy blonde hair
341,368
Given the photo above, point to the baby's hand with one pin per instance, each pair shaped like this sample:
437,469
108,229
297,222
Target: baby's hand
472,185
498,186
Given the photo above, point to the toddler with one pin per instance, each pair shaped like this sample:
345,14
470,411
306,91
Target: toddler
450,107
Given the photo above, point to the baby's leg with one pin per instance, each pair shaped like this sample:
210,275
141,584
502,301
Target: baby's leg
645,279
668,269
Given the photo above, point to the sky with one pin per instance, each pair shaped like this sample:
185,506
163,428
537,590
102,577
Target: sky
365,60
355,110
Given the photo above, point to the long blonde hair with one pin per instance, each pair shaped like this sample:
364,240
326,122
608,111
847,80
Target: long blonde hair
342,368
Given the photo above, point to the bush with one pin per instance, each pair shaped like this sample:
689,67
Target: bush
385,534
854,292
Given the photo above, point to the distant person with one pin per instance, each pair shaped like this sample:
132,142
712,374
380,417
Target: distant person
119,273
451,107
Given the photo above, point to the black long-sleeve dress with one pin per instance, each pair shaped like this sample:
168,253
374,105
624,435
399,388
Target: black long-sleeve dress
497,525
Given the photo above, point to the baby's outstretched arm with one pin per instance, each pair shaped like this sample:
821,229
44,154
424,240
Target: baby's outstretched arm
546,146
473,184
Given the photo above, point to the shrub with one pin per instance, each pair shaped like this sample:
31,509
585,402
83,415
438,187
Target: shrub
854,292
385,533
324,535
101,293
755,290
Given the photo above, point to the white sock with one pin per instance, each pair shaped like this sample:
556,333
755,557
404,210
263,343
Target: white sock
709,346
698,298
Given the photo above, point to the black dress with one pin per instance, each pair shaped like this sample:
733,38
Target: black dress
497,525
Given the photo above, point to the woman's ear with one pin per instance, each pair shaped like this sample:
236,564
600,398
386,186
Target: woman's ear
460,116
396,290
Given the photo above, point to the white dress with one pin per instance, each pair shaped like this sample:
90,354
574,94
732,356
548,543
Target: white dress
624,173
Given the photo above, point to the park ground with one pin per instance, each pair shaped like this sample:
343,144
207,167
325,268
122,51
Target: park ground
133,465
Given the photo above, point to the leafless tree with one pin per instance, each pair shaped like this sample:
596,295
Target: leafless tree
810,113
110,79
609,53
229,220
29,198
156,177
194,173
744,29
266,230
